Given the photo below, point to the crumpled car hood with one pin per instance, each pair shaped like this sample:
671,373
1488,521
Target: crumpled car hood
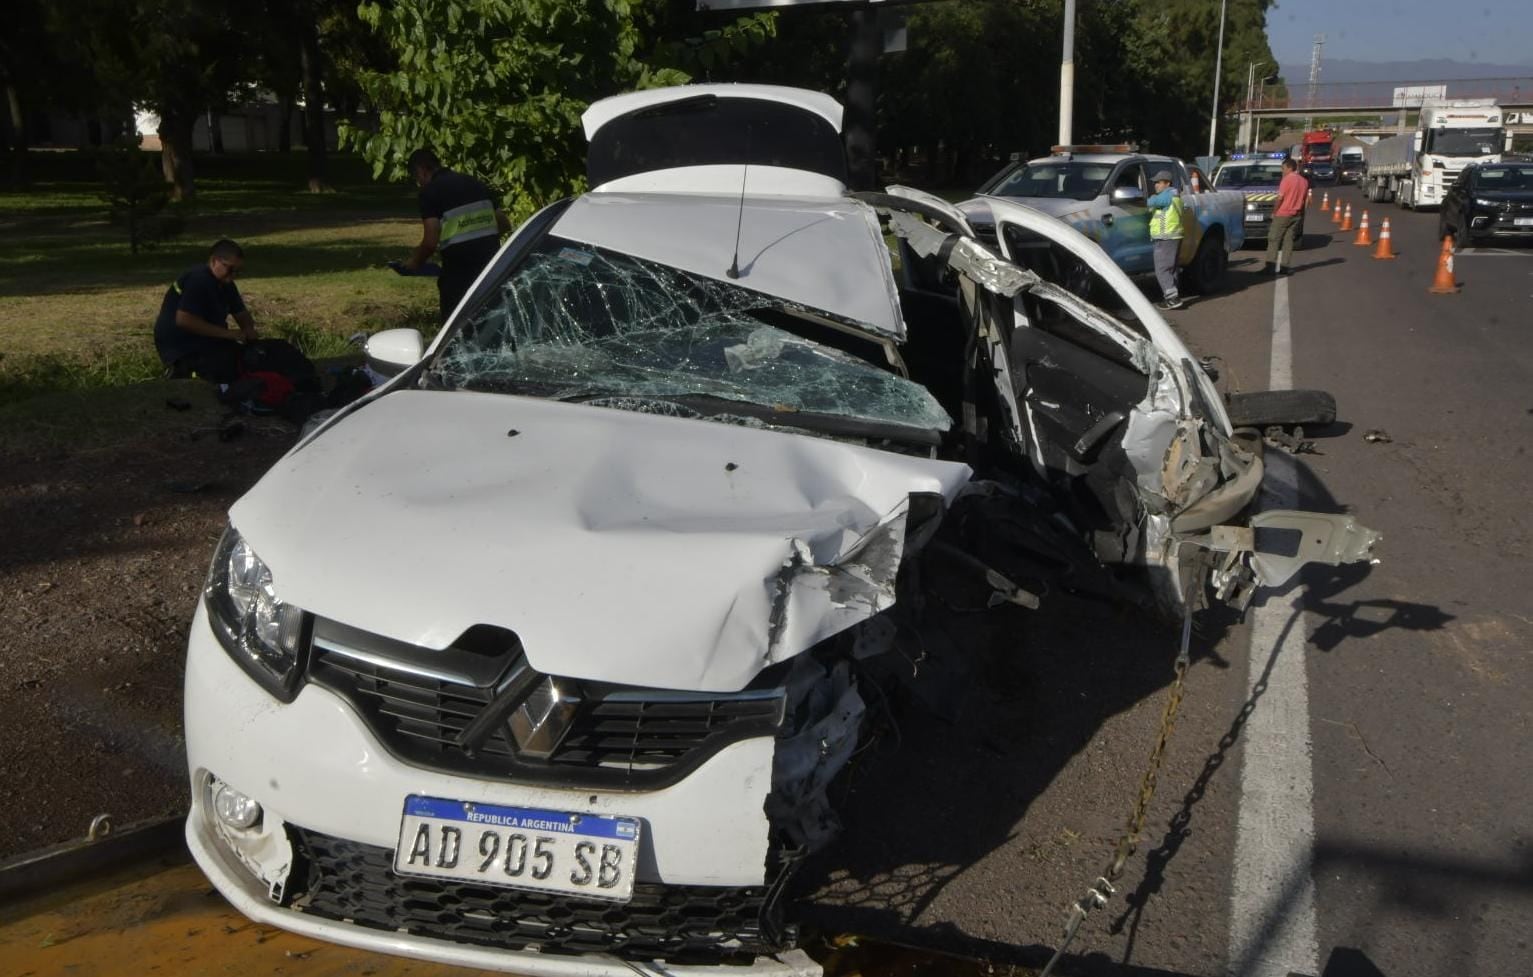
625,547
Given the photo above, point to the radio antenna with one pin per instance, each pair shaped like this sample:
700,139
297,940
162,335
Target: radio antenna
734,265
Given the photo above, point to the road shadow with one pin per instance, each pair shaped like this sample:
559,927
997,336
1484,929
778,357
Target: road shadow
938,794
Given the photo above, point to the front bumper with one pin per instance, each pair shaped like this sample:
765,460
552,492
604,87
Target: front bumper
322,779
1501,224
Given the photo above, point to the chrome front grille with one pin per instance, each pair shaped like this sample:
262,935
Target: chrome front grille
421,705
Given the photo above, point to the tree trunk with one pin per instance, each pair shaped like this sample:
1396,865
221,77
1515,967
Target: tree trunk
93,129
18,118
314,108
176,153
862,99
216,132
285,122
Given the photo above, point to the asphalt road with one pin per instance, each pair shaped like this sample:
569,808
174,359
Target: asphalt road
1396,694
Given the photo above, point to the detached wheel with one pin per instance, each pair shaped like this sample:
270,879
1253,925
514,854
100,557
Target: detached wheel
1209,265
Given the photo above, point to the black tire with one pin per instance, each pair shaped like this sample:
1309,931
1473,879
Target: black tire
1263,408
1206,272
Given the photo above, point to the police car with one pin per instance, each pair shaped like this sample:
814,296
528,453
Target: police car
1256,175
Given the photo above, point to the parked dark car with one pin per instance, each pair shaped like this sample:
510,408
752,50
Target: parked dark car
1489,200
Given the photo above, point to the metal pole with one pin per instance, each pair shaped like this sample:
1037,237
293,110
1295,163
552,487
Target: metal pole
1246,143
1067,78
1213,117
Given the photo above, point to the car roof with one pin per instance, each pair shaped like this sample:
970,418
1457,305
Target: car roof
1104,158
825,254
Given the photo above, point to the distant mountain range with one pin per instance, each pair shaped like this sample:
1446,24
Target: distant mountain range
1340,70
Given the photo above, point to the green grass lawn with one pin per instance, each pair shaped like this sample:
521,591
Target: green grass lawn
77,309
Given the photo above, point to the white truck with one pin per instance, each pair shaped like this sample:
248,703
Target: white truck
1416,168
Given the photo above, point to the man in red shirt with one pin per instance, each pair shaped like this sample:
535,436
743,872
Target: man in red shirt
1287,217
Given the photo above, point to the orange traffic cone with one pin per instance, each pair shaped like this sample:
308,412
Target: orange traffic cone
1309,196
1346,219
1384,250
1336,214
1363,238
1325,199
1442,282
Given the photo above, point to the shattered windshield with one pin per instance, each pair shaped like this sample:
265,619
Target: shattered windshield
1072,180
1249,175
575,322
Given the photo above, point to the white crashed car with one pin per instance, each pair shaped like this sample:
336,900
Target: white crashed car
541,658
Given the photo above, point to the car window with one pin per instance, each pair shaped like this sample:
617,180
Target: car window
1130,177
1505,177
1244,175
1069,179
577,322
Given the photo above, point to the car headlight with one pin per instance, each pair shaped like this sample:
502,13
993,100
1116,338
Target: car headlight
262,634
1492,204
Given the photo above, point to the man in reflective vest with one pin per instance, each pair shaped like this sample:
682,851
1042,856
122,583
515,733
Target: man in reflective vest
1166,237
459,216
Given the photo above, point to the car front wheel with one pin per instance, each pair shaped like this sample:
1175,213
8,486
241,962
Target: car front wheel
1208,265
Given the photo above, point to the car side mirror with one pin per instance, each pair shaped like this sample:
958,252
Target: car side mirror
393,350
1128,195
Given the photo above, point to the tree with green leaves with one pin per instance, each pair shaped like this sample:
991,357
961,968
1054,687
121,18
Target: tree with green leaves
174,57
497,87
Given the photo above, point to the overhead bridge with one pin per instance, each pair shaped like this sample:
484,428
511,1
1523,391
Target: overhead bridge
1349,100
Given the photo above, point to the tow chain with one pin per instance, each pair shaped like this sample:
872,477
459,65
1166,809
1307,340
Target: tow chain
1102,889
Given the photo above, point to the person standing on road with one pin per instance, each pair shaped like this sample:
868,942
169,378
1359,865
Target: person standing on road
1166,237
459,216
192,333
1287,218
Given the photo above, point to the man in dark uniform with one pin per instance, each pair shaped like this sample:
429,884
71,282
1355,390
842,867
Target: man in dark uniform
192,334
459,216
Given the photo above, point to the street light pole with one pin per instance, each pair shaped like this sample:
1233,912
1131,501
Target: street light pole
1213,117
1250,113
1067,77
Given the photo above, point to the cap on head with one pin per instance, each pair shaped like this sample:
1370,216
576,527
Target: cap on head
1164,176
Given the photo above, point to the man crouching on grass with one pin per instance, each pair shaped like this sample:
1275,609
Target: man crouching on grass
192,334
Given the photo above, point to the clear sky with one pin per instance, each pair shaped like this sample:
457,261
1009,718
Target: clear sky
1489,31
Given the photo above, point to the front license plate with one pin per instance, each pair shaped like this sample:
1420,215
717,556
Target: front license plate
1523,221
590,855
1255,218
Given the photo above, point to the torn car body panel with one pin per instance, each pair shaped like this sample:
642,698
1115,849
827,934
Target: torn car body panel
1123,410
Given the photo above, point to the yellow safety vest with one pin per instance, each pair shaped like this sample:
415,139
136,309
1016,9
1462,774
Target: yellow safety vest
467,223
1167,223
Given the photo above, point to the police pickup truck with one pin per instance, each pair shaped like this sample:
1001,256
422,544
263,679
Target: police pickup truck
1101,192
1256,176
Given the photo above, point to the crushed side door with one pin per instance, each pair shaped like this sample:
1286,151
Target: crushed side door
1111,411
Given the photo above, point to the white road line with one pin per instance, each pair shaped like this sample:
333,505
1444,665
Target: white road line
1272,917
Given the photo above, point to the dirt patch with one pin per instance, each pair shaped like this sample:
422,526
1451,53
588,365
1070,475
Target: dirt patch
103,557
